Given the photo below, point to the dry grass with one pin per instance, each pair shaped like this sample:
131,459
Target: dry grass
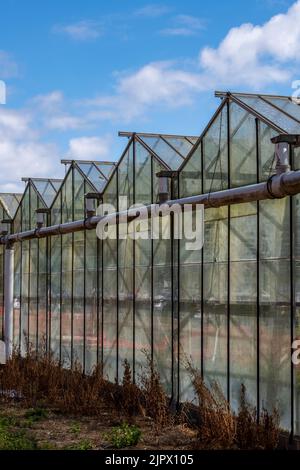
256,432
216,423
42,382
219,427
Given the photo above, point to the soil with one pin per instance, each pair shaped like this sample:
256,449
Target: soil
55,431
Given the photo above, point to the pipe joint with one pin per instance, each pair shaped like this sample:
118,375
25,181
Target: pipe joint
278,187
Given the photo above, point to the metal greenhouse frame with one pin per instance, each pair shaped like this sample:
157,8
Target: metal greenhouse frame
233,308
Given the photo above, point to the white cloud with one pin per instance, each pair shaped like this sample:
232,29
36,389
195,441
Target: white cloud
250,56
8,67
50,111
22,153
184,25
15,125
85,30
256,55
152,11
160,84
89,148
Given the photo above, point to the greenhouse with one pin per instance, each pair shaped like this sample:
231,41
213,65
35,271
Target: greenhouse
232,308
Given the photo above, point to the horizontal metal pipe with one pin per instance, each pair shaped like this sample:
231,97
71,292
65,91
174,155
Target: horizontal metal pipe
277,186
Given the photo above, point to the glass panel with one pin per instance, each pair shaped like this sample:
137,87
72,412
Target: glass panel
242,147
277,117
17,294
93,174
215,287
297,310
162,305
190,176
55,281
181,144
275,340
287,105
164,151
78,298
55,287
125,267
78,273
46,190
106,169
56,184
42,294
243,302
143,310
11,202
266,152
190,321
110,293
91,300
33,294
215,154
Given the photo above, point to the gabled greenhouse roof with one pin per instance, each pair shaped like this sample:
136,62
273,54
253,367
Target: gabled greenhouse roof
97,172
10,202
280,111
46,188
170,149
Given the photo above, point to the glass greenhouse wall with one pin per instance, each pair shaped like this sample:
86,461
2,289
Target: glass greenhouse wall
8,206
232,308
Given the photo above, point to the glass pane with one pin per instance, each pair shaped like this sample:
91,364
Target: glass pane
109,289
78,299
277,117
66,299
243,302
190,183
274,228
242,147
11,202
46,190
215,288
274,297
91,301
287,105
93,174
181,144
143,250
106,169
164,151
55,284
215,154
33,294
42,295
17,294
266,152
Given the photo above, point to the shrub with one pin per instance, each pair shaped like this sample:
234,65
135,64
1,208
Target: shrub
155,401
123,436
15,440
85,444
216,423
256,432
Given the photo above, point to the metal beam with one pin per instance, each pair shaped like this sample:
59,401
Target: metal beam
277,186
8,300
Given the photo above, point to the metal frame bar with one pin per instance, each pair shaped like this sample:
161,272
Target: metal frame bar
150,134
258,159
228,250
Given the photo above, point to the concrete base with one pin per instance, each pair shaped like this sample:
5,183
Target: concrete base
2,352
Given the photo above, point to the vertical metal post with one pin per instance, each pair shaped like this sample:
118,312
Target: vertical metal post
8,300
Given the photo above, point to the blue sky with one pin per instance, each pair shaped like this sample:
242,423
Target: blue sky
76,72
